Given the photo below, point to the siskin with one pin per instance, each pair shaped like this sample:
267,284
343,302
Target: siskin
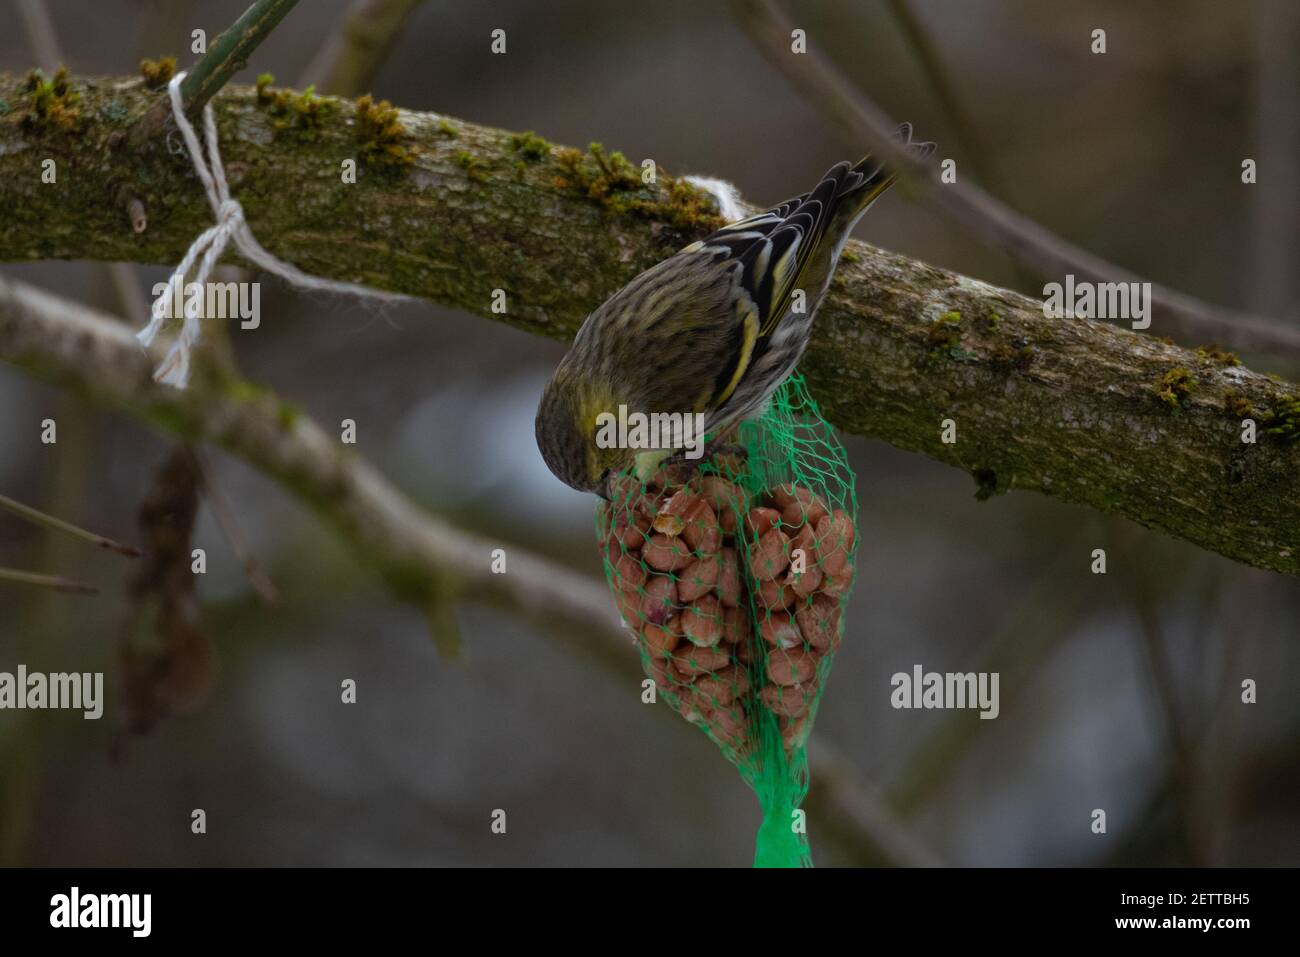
713,329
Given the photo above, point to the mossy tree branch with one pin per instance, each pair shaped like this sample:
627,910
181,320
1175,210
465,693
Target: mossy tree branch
1082,410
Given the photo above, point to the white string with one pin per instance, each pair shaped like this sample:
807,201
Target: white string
730,208
207,249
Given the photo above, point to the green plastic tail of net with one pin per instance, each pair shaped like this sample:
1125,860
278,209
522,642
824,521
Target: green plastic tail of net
732,573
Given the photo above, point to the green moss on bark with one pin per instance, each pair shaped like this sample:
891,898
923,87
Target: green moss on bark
1174,387
50,103
381,134
158,73
618,187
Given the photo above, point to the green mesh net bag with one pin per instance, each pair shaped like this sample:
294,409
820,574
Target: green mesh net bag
732,573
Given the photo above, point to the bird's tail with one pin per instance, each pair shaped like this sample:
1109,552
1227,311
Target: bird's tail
864,182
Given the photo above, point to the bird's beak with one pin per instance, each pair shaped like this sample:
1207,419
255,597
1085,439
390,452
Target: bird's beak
602,489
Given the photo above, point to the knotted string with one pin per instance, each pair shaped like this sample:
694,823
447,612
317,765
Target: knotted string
211,243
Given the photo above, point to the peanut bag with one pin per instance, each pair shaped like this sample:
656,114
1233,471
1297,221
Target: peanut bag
732,573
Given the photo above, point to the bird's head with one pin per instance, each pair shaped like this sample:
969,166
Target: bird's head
566,433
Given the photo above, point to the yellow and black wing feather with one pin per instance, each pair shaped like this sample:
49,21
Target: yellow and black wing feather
773,250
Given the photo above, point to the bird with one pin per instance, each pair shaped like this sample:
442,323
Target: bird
712,330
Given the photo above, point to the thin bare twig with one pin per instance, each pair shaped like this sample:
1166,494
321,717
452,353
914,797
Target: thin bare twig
232,531
40,33
968,136
941,83
1159,667
57,582
1270,268
841,787
349,59
37,517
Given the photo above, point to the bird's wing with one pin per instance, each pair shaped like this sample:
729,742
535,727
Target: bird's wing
774,246
771,249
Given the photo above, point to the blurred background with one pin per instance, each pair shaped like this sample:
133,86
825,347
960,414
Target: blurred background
1119,691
